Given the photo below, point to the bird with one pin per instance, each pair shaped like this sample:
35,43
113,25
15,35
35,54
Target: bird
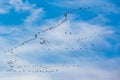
35,36
65,14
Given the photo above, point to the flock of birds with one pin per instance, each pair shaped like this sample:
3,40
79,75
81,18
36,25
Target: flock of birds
50,28
40,68
44,41
92,37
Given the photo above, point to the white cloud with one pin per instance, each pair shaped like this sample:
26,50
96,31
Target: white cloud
3,11
4,8
59,40
35,16
100,19
25,76
8,29
18,5
87,72
76,3
79,30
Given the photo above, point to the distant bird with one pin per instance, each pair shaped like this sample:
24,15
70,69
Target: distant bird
65,32
10,62
43,42
35,36
65,14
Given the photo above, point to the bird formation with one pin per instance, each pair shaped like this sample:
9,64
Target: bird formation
92,37
31,71
44,41
34,38
70,49
86,8
68,33
40,68
57,25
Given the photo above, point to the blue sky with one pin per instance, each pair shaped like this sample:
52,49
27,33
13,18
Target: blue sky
89,38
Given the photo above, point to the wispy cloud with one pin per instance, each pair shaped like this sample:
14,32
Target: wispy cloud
19,5
109,7
3,11
36,15
26,76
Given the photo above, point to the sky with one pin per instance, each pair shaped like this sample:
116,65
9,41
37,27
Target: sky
59,39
